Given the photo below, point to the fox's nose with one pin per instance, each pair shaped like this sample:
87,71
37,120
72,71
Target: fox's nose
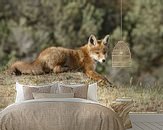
103,60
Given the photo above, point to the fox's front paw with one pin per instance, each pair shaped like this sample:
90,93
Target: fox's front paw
106,82
109,83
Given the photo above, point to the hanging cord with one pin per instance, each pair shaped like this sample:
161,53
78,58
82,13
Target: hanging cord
121,20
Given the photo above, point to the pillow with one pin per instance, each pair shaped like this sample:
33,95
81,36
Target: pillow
80,91
28,90
92,92
24,92
52,95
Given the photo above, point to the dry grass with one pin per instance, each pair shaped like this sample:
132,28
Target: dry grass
146,99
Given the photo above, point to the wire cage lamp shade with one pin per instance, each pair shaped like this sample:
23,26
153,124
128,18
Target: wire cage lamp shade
121,55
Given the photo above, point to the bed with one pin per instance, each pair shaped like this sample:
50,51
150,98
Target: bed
58,113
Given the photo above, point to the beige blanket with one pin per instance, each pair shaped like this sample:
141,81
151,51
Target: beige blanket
59,114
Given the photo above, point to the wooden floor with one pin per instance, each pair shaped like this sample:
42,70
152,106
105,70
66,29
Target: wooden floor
146,121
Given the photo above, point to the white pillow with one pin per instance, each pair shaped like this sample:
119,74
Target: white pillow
20,91
92,90
91,95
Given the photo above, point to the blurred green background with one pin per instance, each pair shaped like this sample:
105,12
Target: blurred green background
28,26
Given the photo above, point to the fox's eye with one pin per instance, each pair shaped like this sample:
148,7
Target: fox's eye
104,52
97,52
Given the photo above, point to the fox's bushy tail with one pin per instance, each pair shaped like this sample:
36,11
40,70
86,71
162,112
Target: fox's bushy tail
20,67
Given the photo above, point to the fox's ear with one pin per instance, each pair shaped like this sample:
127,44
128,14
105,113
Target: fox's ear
106,40
92,40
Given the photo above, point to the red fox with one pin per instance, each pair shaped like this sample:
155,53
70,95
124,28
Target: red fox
58,59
